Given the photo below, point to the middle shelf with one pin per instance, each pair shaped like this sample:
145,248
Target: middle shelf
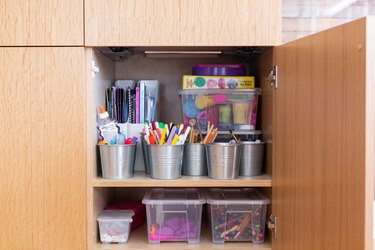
140,179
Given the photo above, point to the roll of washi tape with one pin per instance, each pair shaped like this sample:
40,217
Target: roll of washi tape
225,116
190,110
203,101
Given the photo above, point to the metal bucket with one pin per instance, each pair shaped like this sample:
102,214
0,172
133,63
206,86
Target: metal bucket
223,160
165,161
117,160
146,160
251,158
194,161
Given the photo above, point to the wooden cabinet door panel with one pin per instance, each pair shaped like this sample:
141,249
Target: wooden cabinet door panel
43,185
182,22
41,23
320,142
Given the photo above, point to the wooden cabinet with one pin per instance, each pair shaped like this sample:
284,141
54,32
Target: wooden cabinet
319,128
42,181
41,23
323,140
182,22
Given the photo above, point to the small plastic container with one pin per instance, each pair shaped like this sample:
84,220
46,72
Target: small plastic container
226,109
114,225
237,214
174,214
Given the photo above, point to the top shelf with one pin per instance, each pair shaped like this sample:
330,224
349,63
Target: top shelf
140,179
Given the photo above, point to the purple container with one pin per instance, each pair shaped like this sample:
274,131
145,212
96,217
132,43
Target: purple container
219,70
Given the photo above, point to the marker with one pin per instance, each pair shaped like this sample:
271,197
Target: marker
180,128
187,131
175,138
170,137
152,135
163,135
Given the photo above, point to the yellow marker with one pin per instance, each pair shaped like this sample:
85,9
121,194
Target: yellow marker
163,135
174,140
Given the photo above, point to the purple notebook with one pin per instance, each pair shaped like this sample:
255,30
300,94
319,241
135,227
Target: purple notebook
137,105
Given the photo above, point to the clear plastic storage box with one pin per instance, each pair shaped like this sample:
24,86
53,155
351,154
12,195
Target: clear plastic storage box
114,225
237,214
174,214
234,109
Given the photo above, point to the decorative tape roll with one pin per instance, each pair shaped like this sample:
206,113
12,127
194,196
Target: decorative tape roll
203,101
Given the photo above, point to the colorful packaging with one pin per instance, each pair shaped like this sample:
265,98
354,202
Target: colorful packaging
218,82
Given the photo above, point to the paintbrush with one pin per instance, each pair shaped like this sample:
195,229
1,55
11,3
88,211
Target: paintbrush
234,137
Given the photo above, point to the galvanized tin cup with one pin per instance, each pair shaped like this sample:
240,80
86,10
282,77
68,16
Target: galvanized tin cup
146,160
117,160
165,161
251,158
223,160
194,161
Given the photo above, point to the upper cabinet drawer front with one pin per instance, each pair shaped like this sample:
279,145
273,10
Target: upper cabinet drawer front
41,22
182,22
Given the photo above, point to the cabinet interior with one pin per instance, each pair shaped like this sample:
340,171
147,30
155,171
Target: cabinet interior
168,69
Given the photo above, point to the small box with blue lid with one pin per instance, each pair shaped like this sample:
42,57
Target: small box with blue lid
226,109
237,214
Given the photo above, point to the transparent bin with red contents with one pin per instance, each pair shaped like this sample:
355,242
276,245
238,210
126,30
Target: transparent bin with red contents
139,209
174,214
237,214
226,109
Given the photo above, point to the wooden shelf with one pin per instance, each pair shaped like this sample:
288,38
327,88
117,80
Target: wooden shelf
140,179
138,241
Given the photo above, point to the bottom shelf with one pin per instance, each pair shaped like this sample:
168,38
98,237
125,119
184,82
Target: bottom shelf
138,241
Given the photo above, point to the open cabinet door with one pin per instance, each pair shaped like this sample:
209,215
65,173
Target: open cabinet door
323,177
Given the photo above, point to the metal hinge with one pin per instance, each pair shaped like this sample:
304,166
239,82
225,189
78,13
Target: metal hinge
272,77
272,223
94,69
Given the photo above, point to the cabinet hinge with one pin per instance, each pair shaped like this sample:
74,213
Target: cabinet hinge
272,224
94,69
272,77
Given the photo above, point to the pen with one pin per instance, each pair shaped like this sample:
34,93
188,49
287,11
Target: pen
170,137
175,138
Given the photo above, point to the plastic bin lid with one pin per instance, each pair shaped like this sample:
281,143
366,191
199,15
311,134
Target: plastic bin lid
161,196
256,91
109,215
221,196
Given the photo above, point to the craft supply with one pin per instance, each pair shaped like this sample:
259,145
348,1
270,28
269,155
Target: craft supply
200,131
241,112
234,136
163,136
160,135
237,214
203,101
189,109
171,135
107,128
114,225
174,214
216,82
225,116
